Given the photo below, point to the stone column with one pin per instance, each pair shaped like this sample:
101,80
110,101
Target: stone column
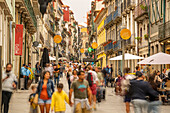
127,21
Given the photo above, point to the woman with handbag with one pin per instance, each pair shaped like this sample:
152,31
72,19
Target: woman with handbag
44,92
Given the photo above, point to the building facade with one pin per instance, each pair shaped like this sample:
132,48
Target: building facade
101,37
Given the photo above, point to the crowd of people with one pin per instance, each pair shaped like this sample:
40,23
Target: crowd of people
88,84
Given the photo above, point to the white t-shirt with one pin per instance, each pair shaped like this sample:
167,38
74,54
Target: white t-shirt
94,74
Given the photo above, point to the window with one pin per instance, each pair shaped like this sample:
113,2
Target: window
148,29
87,44
140,32
144,27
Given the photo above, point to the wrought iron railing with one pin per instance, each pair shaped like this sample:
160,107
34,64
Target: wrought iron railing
108,19
108,47
113,16
164,30
117,13
117,45
141,9
31,11
130,2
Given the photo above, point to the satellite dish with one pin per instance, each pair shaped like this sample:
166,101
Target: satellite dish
35,44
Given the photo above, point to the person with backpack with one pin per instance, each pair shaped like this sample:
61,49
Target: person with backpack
93,81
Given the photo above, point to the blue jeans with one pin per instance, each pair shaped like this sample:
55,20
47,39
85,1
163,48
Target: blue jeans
153,107
105,81
140,106
56,79
42,102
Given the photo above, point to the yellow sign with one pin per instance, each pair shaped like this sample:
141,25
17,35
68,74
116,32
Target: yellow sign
57,39
94,45
82,50
125,34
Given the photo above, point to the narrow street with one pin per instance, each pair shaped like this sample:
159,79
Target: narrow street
113,103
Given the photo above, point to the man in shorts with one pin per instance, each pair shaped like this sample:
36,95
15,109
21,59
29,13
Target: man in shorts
82,94
94,85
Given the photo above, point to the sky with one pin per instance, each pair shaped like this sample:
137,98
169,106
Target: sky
80,9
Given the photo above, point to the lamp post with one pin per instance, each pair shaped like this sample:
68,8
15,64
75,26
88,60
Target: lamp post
94,46
82,51
125,35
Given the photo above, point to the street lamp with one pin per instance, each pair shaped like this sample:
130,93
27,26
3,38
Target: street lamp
94,46
125,35
57,40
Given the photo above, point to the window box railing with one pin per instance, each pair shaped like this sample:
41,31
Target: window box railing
31,12
141,9
164,30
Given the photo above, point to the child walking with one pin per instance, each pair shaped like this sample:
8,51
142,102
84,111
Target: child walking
58,100
33,106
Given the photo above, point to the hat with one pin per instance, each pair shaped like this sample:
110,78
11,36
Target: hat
138,74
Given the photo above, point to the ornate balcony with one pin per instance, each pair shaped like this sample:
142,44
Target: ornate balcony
141,11
114,17
36,7
8,11
164,31
130,43
131,4
27,9
117,45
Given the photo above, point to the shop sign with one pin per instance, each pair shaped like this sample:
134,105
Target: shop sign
18,39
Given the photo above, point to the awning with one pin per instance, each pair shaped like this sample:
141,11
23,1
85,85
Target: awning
127,57
52,58
159,58
89,60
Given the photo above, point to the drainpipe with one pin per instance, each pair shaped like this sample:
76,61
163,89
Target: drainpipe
20,59
1,60
25,45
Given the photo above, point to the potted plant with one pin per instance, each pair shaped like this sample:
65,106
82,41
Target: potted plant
139,39
146,36
143,7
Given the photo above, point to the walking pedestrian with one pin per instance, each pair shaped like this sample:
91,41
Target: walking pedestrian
74,76
9,82
69,74
50,69
125,84
38,71
93,86
154,103
45,90
139,89
56,74
82,94
33,106
58,100
28,75
22,77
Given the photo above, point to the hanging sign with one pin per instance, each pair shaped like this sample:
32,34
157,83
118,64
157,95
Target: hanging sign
18,39
82,50
94,45
125,34
57,39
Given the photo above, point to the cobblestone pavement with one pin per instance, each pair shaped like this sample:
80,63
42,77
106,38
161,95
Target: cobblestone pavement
113,103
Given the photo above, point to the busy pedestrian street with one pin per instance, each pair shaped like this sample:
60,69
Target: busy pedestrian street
113,103
84,56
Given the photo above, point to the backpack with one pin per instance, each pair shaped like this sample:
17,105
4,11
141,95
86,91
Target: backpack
90,79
